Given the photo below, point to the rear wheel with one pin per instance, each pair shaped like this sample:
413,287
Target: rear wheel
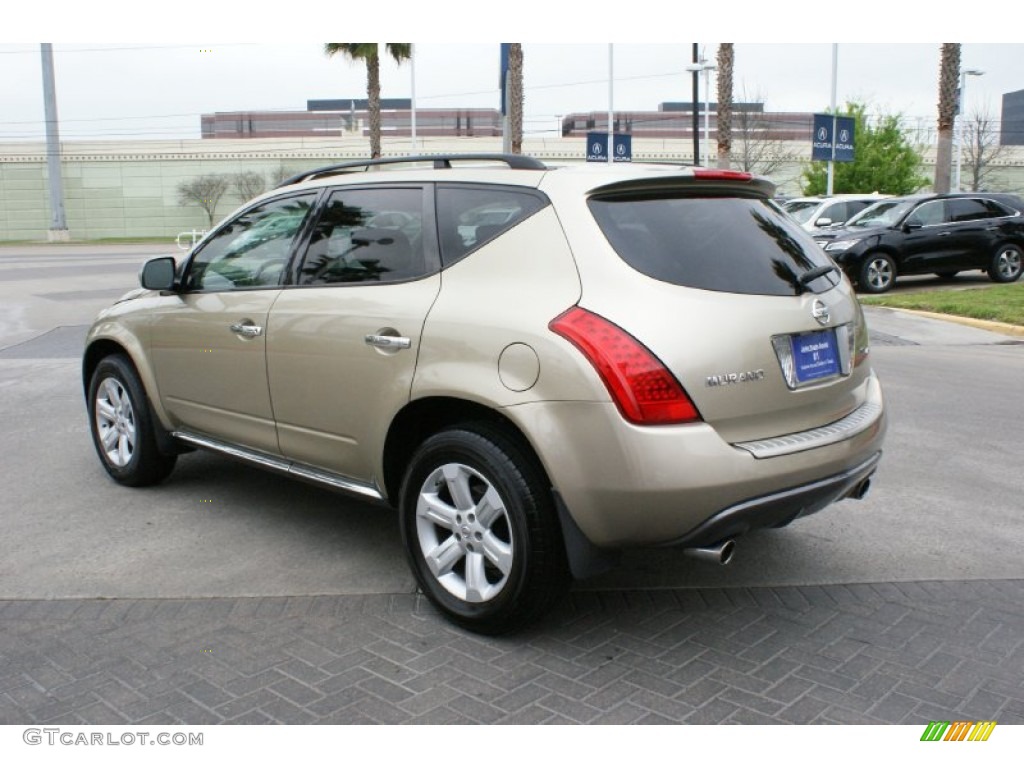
122,425
877,273
480,530
1006,265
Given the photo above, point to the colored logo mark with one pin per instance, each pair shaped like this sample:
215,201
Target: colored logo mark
959,730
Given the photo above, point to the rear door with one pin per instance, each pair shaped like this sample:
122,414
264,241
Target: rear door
343,341
976,223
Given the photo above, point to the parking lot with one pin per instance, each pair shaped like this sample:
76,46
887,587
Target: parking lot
231,595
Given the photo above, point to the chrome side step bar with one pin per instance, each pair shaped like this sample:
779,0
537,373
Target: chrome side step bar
303,471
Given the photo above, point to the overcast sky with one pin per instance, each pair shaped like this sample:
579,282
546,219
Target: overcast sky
120,89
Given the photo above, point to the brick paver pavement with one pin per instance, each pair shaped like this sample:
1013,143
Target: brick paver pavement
870,653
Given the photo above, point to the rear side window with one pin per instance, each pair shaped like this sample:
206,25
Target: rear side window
736,245
969,209
469,216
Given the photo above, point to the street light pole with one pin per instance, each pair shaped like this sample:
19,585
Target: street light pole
611,103
960,120
693,104
58,223
830,183
708,69
698,66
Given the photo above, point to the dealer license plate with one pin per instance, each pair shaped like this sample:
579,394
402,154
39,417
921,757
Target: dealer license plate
815,356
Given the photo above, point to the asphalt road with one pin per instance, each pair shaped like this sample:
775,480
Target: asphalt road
946,503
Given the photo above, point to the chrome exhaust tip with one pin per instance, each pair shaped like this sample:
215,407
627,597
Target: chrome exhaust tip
719,553
861,489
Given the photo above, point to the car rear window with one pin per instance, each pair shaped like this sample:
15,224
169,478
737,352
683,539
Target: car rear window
731,244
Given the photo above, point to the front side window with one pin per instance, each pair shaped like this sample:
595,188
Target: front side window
367,236
731,244
837,213
929,214
801,210
252,250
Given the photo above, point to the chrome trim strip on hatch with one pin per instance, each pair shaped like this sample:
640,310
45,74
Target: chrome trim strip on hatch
848,426
282,465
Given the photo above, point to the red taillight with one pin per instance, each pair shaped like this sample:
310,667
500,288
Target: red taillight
715,174
644,390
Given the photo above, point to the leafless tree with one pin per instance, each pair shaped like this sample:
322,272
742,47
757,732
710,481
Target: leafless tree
247,185
980,147
204,191
753,148
281,173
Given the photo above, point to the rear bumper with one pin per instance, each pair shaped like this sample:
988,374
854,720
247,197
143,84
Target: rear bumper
778,509
625,485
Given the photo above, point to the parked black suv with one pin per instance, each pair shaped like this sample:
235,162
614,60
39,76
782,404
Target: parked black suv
941,234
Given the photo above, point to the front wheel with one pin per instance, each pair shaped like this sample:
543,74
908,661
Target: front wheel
877,273
480,530
122,425
1006,264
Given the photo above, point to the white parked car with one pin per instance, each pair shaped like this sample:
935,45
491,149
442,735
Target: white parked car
814,213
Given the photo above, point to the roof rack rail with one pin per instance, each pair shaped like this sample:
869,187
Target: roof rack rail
515,162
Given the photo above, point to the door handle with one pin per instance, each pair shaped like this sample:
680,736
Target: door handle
246,328
387,342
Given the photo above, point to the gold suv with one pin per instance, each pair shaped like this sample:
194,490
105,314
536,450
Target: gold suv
536,366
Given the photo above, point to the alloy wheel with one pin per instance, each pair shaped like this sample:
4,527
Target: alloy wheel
464,533
115,422
879,274
1008,263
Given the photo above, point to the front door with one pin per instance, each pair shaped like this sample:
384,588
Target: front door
209,341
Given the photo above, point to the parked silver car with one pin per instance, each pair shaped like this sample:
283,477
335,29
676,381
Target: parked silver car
626,356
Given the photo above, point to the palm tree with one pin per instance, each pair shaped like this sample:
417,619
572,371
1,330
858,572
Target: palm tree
724,129
949,77
515,96
368,52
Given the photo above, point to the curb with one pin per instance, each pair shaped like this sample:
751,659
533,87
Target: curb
1007,329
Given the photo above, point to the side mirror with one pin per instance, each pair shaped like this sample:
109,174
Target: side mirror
824,221
910,226
158,274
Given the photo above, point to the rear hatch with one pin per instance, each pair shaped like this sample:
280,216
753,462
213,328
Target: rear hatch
736,301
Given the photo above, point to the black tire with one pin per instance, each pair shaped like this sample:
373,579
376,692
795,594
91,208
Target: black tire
1007,264
877,273
499,572
122,427
948,275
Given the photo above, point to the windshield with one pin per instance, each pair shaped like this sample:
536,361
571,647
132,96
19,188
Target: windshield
801,210
883,214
